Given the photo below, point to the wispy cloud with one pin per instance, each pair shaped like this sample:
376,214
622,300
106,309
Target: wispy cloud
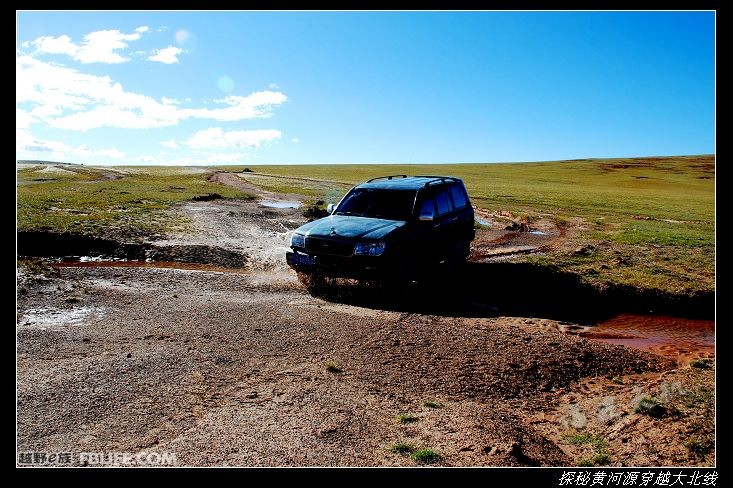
216,138
96,47
255,105
167,55
27,144
169,143
65,98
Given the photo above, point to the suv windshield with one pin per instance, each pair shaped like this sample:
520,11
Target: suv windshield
380,204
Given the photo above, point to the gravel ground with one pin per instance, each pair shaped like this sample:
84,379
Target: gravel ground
231,368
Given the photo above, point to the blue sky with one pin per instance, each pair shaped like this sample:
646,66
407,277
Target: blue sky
362,87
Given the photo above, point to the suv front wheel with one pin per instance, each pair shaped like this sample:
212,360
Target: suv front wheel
312,281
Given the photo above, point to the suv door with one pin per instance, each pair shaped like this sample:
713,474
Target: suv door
426,237
446,221
463,213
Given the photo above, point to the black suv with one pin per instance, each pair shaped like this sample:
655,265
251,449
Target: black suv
388,227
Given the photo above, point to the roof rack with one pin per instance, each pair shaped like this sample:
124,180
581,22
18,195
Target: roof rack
386,177
437,179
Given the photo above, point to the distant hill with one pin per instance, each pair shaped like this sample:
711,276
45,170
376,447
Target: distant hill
34,161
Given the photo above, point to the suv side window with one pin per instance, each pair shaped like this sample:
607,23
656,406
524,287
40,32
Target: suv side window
459,196
427,209
442,200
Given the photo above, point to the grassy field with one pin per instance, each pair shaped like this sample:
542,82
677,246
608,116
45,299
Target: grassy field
642,222
650,221
110,202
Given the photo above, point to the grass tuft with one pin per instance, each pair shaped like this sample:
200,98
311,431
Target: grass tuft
598,444
698,446
332,367
407,418
650,406
425,456
702,363
402,448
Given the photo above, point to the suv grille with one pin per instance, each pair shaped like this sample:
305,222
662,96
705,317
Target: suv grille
315,245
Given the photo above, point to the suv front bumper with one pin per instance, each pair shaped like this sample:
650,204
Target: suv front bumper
359,267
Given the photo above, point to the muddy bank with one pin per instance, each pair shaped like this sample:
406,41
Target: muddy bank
524,288
70,246
518,289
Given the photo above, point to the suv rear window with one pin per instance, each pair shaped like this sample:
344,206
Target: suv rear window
442,200
459,196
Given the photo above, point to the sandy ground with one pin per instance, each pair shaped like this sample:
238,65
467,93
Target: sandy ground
230,368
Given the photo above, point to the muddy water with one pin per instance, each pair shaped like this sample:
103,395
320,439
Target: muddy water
674,337
483,222
49,318
279,204
102,263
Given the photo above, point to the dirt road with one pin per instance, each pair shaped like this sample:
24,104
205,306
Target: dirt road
243,367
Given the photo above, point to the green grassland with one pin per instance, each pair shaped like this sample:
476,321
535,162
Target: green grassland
650,221
643,222
87,200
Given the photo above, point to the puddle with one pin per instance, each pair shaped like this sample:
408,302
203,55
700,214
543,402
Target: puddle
674,337
95,262
98,259
47,318
279,204
538,232
483,222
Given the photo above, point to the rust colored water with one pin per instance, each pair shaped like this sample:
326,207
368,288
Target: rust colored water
674,337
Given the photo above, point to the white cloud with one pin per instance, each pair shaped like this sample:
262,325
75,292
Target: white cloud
55,45
169,143
23,119
26,145
167,55
216,138
100,47
170,101
65,98
96,47
295,140
256,105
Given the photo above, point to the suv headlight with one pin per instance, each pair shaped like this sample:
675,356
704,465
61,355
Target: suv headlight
298,240
370,248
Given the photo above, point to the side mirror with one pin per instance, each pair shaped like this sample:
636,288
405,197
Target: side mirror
330,208
427,217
